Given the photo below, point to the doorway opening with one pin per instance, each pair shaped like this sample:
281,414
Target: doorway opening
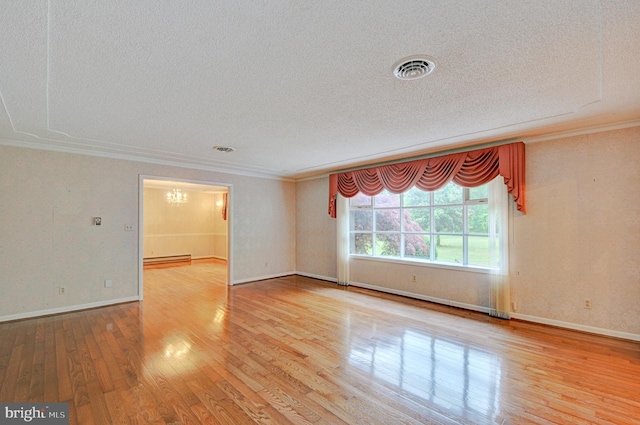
181,221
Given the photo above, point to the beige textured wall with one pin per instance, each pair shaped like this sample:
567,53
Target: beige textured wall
195,228
47,240
450,286
581,235
315,230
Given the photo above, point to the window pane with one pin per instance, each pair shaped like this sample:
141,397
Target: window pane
448,219
481,192
478,218
417,246
388,245
417,220
361,243
361,220
419,224
449,248
416,198
360,200
388,220
450,194
386,199
479,251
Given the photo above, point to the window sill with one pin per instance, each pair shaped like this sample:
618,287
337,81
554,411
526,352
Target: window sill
423,263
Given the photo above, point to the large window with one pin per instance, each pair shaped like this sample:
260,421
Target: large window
450,225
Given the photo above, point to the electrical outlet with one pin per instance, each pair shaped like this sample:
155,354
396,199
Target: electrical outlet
61,290
587,304
128,227
108,283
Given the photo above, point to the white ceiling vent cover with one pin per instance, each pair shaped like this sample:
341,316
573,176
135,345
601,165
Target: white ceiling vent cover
414,67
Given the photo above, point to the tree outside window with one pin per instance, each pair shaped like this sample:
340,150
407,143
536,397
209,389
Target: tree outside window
450,225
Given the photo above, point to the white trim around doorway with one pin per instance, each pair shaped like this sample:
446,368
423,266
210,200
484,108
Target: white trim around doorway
230,198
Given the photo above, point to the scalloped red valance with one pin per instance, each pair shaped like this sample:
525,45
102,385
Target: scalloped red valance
467,169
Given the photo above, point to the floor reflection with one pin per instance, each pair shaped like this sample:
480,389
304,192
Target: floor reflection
452,376
174,357
185,310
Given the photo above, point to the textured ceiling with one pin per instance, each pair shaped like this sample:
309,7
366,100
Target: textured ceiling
301,88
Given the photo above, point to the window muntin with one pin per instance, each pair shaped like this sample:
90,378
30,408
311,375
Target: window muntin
450,225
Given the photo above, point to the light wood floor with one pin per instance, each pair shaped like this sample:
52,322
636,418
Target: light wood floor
300,351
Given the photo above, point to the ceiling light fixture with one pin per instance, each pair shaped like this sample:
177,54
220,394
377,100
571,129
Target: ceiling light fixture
225,149
414,67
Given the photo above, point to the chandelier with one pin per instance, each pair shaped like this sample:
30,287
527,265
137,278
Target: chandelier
177,198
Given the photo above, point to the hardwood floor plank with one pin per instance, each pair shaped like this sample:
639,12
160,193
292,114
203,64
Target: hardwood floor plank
293,411
171,398
295,395
12,374
78,380
50,390
295,350
253,410
84,414
25,370
36,386
204,415
65,390
101,412
146,404
116,407
216,402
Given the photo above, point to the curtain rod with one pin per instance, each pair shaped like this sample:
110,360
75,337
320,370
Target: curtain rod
430,155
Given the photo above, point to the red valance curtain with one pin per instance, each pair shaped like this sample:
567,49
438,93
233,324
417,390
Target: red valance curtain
225,201
467,169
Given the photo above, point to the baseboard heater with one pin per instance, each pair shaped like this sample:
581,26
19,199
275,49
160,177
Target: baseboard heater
168,259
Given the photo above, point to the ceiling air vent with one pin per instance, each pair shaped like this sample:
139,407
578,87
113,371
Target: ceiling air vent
414,67
224,149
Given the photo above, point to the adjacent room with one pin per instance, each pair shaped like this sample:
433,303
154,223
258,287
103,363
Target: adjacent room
320,213
183,222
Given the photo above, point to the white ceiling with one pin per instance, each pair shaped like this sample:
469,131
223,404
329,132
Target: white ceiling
301,88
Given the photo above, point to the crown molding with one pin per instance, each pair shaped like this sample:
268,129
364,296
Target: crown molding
582,131
145,159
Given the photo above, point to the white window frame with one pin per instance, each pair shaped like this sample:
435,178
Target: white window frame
465,234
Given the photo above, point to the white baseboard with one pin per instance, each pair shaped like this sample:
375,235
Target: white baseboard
66,309
253,279
436,300
208,257
576,327
317,276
